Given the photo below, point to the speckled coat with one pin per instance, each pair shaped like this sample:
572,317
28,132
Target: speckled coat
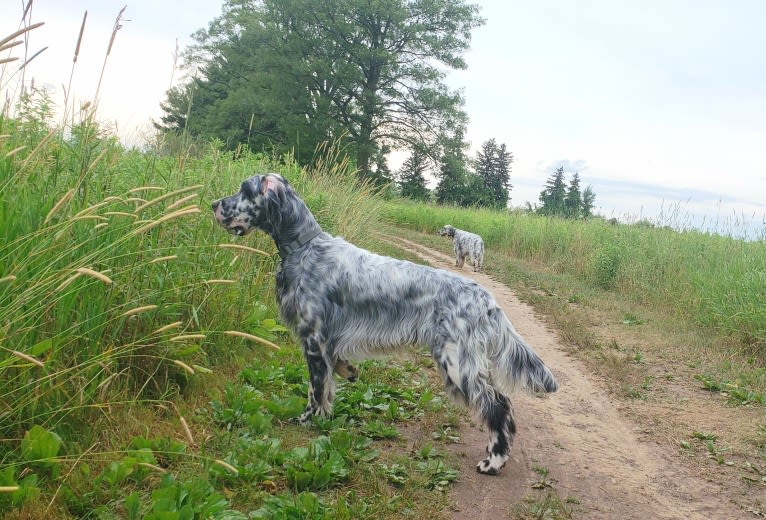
345,303
466,245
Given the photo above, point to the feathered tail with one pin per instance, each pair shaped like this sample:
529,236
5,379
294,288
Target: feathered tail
515,365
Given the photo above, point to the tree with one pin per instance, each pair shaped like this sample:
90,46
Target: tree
573,198
588,201
559,200
314,69
381,174
553,194
412,180
493,166
453,171
226,97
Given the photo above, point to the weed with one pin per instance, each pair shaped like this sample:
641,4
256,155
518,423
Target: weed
543,481
631,319
438,476
739,391
446,433
548,507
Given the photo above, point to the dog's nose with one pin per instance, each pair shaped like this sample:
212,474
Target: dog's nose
215,204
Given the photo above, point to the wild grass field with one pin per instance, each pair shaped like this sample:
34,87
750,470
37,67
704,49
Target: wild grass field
715,280
143,369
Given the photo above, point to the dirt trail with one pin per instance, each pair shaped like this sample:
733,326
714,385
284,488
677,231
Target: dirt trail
593,454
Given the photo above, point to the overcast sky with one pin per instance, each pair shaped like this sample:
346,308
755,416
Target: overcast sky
659,105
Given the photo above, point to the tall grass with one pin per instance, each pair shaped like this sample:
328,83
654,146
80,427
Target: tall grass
116,287
716,280
113,281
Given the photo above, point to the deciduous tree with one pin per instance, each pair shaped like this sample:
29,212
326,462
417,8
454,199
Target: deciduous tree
299,71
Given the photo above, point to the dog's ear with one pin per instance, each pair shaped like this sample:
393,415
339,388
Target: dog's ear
273,189
273,184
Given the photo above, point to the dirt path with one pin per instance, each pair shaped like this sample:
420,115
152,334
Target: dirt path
608,467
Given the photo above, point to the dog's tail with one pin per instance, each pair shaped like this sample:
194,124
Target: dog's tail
514,365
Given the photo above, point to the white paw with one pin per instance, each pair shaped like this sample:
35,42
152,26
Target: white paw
491,465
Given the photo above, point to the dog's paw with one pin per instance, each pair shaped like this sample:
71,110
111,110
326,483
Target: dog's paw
491,465
305,418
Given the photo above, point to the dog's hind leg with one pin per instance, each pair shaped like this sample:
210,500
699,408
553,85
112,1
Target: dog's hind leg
446,357
499,421
467,384
496,412
475,261
321,384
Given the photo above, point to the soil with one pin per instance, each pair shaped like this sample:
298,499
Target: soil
600,463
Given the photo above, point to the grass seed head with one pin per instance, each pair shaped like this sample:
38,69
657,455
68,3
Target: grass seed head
227,466
183,365
186,337
187,431
139,310
94,274
163,259
252,338
28,358
244,248
60,204
168,327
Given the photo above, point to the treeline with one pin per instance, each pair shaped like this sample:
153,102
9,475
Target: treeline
558,199
485,182
482,181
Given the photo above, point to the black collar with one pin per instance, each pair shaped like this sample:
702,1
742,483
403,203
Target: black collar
303,239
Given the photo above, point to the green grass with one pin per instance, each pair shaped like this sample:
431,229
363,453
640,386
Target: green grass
124,393
717,281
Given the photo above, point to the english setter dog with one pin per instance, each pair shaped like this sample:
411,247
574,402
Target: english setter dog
466,244
345,303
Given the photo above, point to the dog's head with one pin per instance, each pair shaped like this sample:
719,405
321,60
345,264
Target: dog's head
447,231
256,205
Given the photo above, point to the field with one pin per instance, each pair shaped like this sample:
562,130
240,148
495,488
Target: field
714,280
145,374
143,371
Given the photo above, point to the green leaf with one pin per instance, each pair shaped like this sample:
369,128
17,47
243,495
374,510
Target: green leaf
40,444
189,350
133,506
41,348
230,515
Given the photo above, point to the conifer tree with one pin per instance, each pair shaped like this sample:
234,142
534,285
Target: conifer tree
588,201
493,166
553,194
411,178
573,199
453,171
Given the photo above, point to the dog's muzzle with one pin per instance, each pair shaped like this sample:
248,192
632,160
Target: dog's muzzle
234,230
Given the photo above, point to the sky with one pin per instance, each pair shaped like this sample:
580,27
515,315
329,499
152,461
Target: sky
659,105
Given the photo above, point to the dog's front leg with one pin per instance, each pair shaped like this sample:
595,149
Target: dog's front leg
321,384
